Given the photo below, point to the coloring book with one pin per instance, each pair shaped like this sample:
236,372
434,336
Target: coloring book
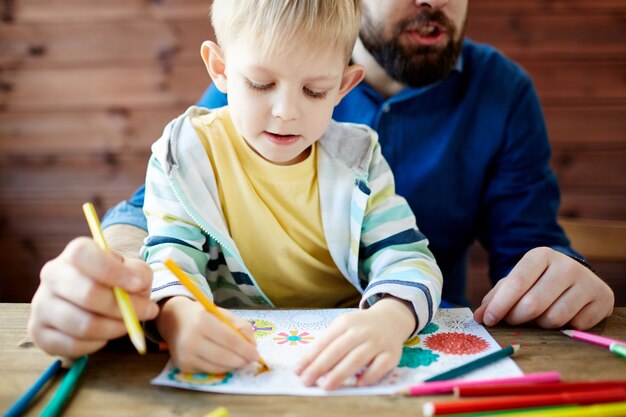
283,336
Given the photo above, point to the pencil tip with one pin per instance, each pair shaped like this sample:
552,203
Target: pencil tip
567,332
139,341
516,348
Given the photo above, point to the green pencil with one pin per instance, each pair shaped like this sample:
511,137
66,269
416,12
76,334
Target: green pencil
64,391
618,349
478,363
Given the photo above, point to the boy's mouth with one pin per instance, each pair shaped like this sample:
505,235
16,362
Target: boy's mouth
281,139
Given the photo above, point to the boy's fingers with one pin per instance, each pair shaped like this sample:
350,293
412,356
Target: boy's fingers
353,362
241,324
331,334
327,359
381,364
222,335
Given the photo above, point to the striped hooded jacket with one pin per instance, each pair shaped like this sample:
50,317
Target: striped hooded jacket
370,231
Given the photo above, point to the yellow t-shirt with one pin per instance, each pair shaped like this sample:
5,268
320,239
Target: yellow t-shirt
273,214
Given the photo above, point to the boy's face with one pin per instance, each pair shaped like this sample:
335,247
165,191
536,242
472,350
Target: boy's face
282,104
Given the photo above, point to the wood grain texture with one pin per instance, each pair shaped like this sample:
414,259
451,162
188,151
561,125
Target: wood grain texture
87,86
116,382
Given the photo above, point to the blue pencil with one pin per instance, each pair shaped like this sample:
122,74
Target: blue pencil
22,403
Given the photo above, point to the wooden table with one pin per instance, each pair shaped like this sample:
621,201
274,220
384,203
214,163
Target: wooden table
117,383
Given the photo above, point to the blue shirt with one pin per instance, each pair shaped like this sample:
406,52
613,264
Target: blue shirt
469,153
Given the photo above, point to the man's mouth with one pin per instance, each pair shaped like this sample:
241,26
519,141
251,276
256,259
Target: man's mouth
428,34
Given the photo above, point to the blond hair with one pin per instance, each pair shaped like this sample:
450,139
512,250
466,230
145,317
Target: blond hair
275,24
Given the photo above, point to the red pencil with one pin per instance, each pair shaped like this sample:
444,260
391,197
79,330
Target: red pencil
508,402
529,388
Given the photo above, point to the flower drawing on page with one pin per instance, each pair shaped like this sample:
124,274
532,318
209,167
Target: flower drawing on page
293,338
413,357
200,378
429,328
261,328
453,343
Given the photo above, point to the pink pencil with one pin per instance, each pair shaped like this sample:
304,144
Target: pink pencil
446,387
592,338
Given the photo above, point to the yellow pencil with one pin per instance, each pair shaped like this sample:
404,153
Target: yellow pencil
218,412
206,303
135,332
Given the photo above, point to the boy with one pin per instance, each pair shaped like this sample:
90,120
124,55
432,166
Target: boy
267,203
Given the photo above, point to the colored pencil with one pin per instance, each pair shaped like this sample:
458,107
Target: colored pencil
135,332
446,387
530,388
618,349
475,364
591,396
616,409
592,338
64,391
22,403
206,303
218,412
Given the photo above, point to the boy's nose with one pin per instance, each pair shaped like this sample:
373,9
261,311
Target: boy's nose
286,107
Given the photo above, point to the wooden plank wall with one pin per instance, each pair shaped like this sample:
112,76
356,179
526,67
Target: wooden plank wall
86,87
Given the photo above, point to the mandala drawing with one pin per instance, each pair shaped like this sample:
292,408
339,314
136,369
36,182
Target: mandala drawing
199,378
293,338
414,341
261,327
429,328
414,357
453,343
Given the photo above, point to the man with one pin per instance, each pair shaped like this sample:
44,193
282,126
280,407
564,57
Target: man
462,129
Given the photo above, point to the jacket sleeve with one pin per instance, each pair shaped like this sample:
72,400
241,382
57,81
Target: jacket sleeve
172,234
519,210
394,256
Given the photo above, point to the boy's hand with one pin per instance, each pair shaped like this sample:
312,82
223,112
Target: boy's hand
74,311
369,340
550,288
199,342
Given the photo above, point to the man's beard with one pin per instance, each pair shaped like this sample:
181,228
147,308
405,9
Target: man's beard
414,65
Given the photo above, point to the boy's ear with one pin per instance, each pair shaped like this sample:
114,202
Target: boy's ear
352,75
213,58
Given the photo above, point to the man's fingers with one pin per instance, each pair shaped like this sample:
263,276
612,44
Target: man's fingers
106,268
523,276
78,323
58,343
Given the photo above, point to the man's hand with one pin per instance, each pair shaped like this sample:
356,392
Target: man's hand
74,311
550,288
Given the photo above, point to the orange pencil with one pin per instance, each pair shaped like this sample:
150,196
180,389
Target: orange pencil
509,402
206,303
529,388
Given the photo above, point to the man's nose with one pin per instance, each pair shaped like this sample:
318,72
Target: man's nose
435,4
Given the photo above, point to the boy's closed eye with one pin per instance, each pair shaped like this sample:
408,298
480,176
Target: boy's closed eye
261,86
